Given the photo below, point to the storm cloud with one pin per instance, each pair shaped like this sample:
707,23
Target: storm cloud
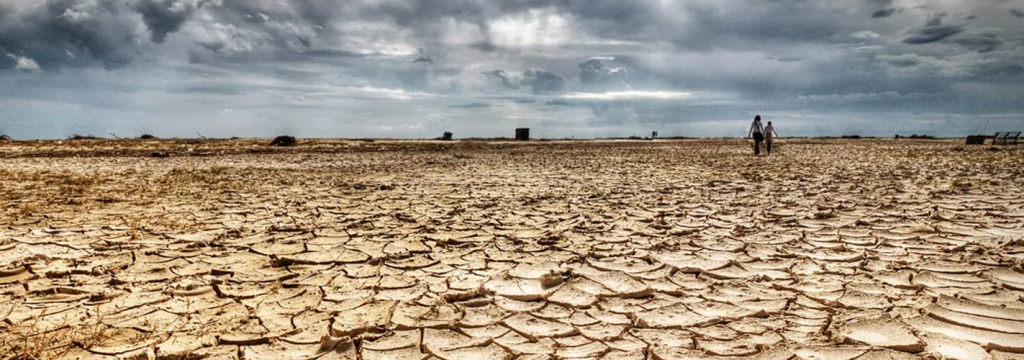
62,32
930,34
165,16
883,13
543,82
537,81
981,42
885,9
594,73
405,68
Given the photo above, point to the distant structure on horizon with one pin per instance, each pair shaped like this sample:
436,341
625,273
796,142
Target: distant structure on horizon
523,134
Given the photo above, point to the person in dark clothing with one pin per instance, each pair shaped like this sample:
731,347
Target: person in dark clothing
769,137
757,130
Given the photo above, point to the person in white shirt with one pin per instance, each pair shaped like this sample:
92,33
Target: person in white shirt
769,135
757,130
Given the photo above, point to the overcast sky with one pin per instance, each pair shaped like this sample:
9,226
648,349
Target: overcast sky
582,68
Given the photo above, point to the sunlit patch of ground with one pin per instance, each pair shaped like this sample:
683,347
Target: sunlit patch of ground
830,249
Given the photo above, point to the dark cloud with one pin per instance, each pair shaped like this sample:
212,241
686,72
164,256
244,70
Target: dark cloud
77,32
595,74
537,80
787,58
935,19
883,13
391,60
930,34
934,31
163,17
236,27
1017,13
561,102
982,43
613,113
999,70
503,78
485,46
884,9
902,61
7,62
543,82
116,32
717,25
423,57
473,105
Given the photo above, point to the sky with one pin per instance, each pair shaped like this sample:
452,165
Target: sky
481,68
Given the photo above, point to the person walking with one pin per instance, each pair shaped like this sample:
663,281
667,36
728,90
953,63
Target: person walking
757,130
769,135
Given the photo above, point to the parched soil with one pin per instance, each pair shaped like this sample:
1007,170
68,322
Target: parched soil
332,249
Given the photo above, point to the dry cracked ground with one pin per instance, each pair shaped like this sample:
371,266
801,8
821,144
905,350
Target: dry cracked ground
829,250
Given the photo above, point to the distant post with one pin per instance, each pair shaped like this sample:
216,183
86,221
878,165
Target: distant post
523,134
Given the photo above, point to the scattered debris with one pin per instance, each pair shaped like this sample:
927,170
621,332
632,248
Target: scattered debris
83,137
284,140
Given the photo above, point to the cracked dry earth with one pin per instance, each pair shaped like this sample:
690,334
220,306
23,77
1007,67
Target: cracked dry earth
829,250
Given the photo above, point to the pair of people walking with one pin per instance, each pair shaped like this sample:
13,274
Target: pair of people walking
762,133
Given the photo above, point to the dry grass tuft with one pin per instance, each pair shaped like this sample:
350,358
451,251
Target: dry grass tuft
31,340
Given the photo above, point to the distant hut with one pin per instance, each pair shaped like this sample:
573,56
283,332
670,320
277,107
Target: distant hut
977,139
523,134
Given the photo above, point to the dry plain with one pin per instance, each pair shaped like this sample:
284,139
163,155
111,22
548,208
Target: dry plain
334,249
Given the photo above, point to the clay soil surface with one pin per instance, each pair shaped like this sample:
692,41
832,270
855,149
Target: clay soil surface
333,249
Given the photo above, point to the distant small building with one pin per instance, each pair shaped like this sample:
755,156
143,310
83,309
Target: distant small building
523,134
977,139
446,136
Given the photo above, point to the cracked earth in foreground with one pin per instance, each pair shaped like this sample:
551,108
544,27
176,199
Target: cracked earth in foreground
829,250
